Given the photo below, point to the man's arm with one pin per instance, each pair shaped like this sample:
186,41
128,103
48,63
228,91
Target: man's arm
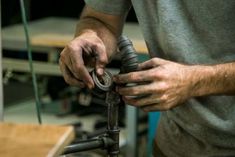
107,27
213,79
167,84
94,44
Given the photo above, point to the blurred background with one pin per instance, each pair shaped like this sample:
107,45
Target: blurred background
51,26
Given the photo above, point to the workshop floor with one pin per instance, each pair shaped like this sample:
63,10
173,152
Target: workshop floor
19,107
25,112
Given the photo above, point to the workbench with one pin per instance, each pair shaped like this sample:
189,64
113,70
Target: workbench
50,35
25,140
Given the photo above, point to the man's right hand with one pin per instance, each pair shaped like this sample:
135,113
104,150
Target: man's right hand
85,50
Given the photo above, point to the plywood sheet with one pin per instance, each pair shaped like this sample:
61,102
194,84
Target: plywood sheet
31,140
57,32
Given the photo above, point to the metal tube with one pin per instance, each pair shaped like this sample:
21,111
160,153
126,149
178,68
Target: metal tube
84,146
101,142
112,117
112,124
129,64
34,78
1,85
129,57
113,130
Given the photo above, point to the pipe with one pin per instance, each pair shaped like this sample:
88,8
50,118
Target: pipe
129,57
1,85
104,89
103,142
112,123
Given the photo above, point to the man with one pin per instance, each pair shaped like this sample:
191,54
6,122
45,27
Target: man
191,76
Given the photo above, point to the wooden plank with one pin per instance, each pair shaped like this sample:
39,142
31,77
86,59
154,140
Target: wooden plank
43,68
57,40
40,67
25,140
57,32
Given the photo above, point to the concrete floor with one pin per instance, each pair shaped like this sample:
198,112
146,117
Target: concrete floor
25,112
19,107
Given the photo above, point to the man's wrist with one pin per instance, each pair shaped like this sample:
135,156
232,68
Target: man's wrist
202,80
86,31
213,79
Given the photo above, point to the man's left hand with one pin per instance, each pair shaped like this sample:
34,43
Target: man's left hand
159,85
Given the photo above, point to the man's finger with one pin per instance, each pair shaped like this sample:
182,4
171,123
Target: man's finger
151,63
132,77
142,100
151,108
155,107
101,58
68,77
136,90
79,70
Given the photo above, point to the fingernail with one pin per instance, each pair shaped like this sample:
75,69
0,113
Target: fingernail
99,71
90,86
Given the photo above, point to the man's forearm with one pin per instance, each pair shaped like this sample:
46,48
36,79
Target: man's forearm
213,79
91,25
107,27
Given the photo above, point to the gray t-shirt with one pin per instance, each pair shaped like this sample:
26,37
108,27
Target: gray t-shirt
194,32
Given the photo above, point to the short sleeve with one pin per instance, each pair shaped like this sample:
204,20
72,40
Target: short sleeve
114,7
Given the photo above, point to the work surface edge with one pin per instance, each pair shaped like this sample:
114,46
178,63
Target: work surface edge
35,140
57,32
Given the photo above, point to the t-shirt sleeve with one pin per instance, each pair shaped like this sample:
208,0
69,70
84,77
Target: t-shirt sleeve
114,7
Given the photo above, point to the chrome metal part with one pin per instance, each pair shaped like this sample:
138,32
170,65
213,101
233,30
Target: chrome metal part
103,83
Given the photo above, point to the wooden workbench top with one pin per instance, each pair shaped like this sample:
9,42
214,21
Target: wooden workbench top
30,140
57,32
